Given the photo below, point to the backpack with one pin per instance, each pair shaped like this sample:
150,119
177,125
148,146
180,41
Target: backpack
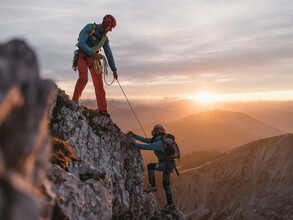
171,147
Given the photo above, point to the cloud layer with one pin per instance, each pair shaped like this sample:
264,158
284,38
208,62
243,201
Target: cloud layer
166,48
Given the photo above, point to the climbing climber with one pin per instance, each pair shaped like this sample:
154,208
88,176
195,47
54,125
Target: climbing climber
91,39
166,166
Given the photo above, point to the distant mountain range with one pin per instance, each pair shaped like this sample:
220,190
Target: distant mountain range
276,114
218,130
153,112
201,128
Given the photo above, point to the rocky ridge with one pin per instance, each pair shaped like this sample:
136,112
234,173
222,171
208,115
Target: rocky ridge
91,176
253,181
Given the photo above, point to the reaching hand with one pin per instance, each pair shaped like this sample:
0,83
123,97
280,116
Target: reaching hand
127,144
98,56
130,133
115,74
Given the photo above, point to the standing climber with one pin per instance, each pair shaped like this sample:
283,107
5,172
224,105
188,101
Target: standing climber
156,144
91,39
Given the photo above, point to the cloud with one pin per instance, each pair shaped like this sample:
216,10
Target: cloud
226,44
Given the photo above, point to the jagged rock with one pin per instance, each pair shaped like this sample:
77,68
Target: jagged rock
24,140
92,175
253,181
155,213
114,170
77,199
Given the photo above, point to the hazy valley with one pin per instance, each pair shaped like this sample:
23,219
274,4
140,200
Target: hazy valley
205,127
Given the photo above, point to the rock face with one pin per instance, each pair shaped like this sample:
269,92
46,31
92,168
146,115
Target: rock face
91,176
24,139
96,141
253,181
107,181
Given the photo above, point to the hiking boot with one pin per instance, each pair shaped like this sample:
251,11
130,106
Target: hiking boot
168,208
150,189
74,104
105,113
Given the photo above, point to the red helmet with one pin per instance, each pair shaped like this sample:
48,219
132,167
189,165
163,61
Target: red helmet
109,20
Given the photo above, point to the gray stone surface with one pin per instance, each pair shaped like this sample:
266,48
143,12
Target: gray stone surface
253,181
104,181
96,141
24,140
115,171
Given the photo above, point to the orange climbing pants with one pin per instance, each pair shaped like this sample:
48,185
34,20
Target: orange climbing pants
83,64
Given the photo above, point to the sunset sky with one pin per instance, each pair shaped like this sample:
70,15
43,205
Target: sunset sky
201,49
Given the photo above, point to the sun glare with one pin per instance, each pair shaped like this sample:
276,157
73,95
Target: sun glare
204,97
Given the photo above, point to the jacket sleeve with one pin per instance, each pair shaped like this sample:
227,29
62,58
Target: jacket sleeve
153,146
109,56
84,35
142,139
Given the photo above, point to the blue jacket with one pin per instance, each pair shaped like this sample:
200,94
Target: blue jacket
156,144
85,42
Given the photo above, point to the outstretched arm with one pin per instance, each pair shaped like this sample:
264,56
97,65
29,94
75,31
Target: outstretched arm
152,146
142,139
109,55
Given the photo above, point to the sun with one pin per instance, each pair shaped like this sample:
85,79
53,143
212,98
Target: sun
204,97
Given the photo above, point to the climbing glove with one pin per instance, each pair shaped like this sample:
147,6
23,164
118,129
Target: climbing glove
115,74
130,134
127,144
98,56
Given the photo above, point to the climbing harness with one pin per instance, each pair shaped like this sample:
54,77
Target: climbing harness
96,48
102,68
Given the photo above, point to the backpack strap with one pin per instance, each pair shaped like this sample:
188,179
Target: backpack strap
175,168
100,44
90,33
93,30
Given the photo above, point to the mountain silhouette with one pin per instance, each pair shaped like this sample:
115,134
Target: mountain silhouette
277,114
218,130
215,130
148,112
253,181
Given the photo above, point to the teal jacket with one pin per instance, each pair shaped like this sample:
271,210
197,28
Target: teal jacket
156,144
86,42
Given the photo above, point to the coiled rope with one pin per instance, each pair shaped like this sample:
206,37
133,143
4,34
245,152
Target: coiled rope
104,69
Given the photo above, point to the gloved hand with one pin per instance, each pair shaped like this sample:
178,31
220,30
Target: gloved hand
130,134
115,74
127,144
98,56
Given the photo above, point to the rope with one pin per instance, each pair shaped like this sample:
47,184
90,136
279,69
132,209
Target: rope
97,48
105,71
131,108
